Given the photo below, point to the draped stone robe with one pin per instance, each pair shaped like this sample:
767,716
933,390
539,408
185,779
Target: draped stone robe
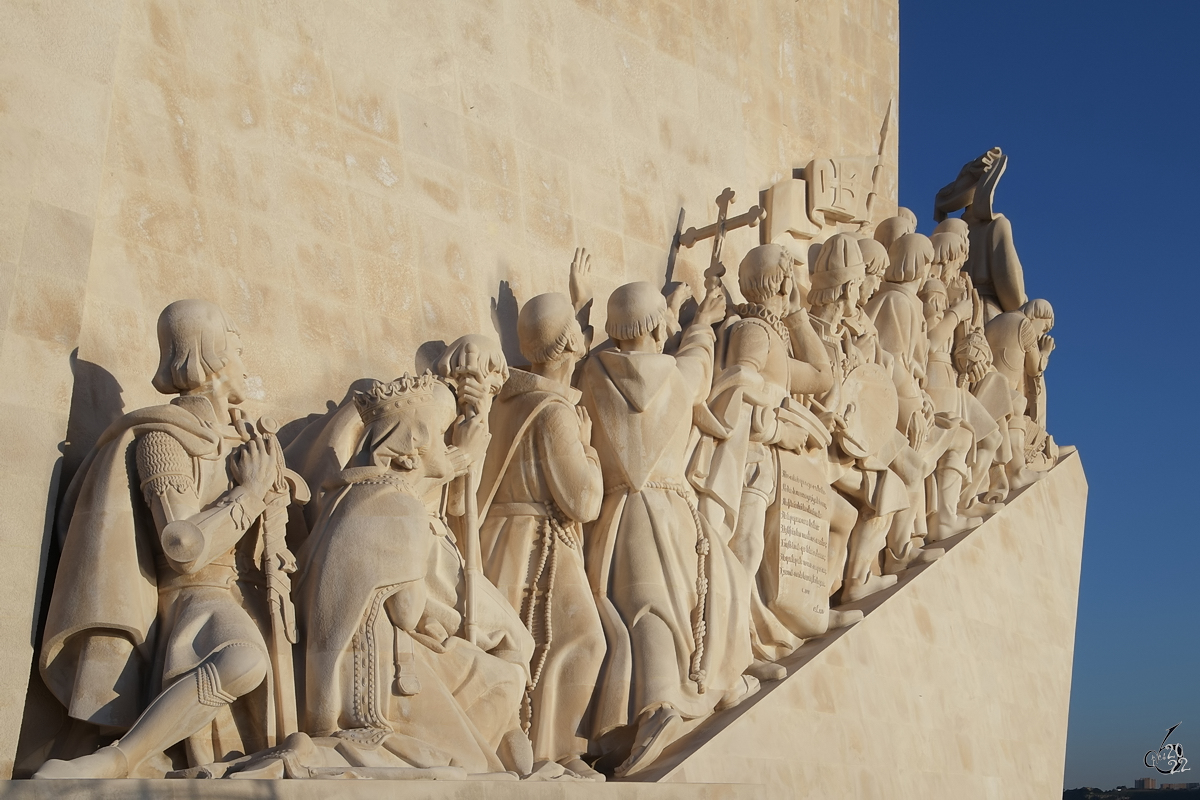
646,551
540,482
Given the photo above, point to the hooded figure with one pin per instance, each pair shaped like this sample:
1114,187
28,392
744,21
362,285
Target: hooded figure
671,594
541,481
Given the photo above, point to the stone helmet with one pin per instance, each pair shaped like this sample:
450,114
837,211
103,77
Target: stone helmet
839,262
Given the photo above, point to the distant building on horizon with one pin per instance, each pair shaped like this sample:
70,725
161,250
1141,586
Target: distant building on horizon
1180,786
1145,783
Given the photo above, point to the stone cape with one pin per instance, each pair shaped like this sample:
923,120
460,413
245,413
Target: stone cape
351,208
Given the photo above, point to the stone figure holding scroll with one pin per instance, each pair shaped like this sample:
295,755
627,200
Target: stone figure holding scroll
770,356
540,482
162,587
388,670
671,594
992,263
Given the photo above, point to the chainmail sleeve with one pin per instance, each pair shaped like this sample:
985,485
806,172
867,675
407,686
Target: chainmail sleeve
163,464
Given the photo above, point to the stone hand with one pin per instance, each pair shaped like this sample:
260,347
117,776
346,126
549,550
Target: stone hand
471,436
795,301
474,394
255,465
1046,344
581,278
712,309
585,425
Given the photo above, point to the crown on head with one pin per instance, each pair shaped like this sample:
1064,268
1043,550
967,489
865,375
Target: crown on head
395,396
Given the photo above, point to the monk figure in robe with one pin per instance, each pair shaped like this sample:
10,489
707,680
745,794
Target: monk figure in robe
160,591
672,596
541,481
382,600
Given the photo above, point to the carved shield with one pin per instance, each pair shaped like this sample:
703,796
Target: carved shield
870,407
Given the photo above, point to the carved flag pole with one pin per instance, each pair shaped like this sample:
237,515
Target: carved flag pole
717,231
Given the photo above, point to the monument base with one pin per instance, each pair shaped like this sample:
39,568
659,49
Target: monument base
956,684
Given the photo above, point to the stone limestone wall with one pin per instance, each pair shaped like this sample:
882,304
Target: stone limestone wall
957,684
353,180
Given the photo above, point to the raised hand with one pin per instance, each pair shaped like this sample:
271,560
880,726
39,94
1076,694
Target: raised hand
712,308
581,279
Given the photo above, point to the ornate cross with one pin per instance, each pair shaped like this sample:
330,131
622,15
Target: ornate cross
717,231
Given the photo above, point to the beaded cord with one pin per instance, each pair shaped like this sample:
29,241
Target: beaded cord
696,672
553,530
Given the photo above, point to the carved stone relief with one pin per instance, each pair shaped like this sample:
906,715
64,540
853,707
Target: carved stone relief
549,572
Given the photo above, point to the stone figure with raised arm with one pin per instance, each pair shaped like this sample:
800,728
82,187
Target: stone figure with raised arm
161,587
391,677
992,262
540,482
671,594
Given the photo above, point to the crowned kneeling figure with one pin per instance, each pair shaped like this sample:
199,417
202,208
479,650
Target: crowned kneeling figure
383,600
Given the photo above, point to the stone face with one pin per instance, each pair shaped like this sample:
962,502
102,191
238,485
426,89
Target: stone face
350,181
956,684
482,571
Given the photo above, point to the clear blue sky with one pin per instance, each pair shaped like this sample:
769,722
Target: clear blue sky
1097,105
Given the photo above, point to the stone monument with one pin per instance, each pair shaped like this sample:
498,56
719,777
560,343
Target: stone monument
807,476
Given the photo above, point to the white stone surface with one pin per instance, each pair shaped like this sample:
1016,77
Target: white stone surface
957,683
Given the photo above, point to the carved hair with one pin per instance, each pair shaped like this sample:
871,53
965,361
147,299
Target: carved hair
547,329
910,257
193,345
1039,309
892,229
634,310
827,295
763,271
948,247
875,257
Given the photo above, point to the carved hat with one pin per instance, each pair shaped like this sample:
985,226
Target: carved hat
839,262
401,396
545,327
635,309
980,173
763,270
910,257
875,256
892,229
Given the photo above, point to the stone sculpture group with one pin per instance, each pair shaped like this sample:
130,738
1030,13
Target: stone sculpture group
557,570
